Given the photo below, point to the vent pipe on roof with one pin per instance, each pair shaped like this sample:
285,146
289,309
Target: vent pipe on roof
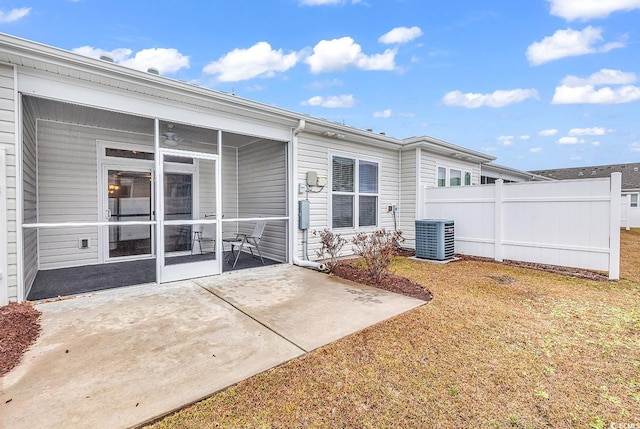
153,70
106,57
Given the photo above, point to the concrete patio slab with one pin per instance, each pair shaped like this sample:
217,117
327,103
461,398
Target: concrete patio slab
118,358
308,308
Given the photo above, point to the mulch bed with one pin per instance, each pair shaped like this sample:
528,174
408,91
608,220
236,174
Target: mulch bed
556,269
19,328
390,282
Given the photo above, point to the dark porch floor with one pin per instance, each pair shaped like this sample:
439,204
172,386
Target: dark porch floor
91,278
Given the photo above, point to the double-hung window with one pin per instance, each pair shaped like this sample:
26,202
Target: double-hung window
634,201
354,193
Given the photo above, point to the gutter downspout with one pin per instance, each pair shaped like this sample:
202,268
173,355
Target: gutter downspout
294,178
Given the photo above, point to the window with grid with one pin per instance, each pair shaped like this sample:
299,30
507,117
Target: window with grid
354,193
634,200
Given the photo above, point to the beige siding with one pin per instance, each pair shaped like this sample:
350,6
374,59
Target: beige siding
262,192
407,207
430,163
7,141
68,189
30,202
313,155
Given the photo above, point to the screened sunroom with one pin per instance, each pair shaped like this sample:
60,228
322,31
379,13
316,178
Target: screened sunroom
113,199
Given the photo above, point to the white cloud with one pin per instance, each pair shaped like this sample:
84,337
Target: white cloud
602,77
400,35
382,114
258,60
166,60
569,43
332,101
634,147
499,98
595,131
505,140
14,14
590,90
118,55
588,94
525,137
570,140
535,149
549,132
326,2
588,9
344,53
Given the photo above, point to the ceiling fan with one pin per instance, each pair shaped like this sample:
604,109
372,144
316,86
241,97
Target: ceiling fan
169,137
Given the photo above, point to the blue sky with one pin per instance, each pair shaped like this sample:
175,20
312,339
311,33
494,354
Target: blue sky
536,83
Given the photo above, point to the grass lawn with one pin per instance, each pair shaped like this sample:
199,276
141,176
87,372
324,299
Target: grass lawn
498,347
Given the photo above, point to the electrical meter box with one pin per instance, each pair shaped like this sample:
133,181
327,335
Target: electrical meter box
303,214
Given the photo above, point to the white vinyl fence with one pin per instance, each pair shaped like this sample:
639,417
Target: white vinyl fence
574,223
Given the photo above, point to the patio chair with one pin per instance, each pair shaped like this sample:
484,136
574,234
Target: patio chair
246,241
205,235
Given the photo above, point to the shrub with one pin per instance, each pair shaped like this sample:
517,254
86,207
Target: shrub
377,250
331,244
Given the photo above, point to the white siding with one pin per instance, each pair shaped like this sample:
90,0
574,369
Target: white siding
68,189
30,204
229,189
7,141
407,208
313,155
429,166
262,191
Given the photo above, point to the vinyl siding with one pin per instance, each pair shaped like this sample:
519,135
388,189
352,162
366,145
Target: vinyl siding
229,189
313,155
30,204
7,141
430,163
68,189
262,192
407,208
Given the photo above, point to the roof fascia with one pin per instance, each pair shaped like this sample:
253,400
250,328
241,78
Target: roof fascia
448,149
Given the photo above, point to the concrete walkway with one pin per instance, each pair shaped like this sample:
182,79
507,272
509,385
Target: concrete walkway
121,357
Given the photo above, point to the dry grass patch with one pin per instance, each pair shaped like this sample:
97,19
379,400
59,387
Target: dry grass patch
498,346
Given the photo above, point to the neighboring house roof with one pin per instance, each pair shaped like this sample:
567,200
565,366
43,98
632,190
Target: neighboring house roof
47,59
630,173
499,170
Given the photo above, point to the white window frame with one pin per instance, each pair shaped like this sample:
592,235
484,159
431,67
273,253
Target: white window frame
356,194
636,204
447,180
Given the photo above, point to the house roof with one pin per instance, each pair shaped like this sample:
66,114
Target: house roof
447,149
499,169
32,55
630,173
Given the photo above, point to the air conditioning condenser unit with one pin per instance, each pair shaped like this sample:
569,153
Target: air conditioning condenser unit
435,239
